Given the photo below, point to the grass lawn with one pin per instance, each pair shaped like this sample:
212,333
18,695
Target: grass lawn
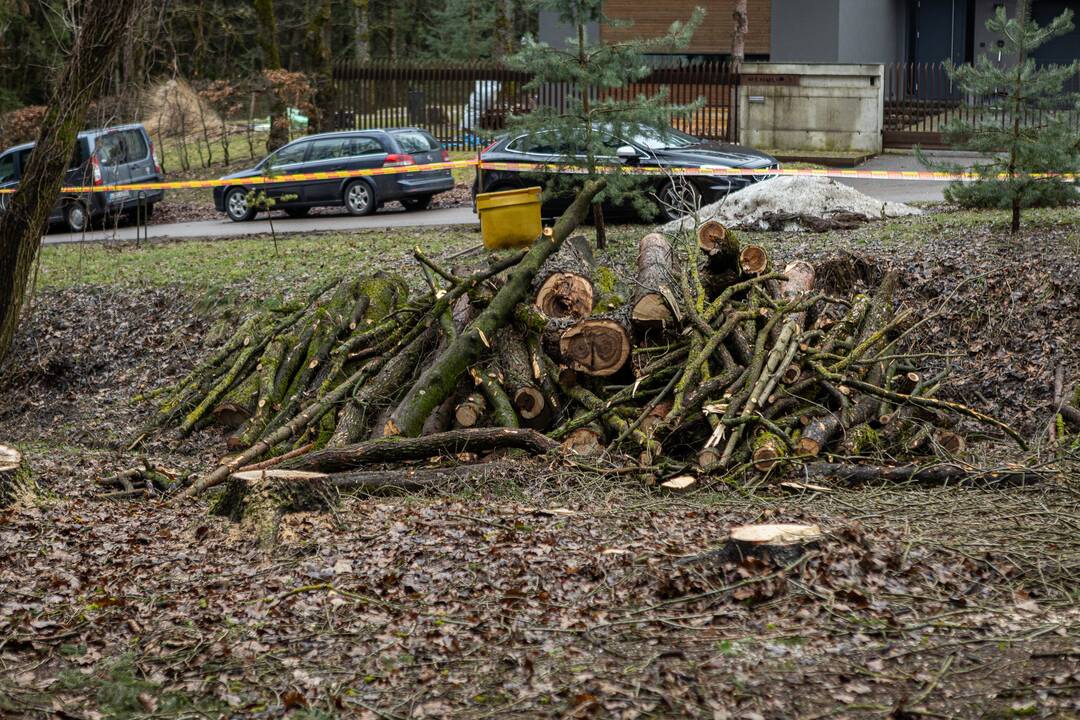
298,261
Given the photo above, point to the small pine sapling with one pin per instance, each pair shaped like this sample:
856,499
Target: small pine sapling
1021,129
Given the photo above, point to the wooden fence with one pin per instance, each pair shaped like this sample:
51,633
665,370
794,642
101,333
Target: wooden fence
920,100
465,105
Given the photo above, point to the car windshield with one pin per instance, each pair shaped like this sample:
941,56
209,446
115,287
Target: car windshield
653,139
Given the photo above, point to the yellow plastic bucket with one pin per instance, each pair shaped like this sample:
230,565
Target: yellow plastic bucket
510,218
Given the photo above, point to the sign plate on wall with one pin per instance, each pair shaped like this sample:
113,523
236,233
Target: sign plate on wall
766,79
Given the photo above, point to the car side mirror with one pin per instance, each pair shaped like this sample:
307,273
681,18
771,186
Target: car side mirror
628,153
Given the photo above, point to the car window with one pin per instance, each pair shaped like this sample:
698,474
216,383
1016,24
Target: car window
327,149
288,155
356,146
111,150
135,145
24,159
414,141
539,144
117,148
7,168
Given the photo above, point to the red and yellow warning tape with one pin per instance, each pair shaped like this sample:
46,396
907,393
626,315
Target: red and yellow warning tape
708,171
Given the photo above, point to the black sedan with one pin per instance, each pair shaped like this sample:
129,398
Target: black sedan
645,148
342,151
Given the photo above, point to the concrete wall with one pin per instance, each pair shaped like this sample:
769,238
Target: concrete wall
872,32
832,107
847,31
805,31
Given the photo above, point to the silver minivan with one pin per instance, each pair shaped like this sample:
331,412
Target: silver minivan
122,155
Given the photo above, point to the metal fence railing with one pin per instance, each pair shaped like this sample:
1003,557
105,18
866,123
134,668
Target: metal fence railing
921,100
466,104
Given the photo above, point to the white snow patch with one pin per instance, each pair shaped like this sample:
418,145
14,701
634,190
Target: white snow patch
814,196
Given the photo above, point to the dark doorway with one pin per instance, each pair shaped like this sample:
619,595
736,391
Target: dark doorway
939,30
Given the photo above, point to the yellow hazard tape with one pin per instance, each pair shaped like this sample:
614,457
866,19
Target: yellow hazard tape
268,179
706,170
717,171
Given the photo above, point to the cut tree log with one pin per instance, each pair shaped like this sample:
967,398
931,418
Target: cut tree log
442,376
597,346
564,287
679,484
16,481
397,449
468,412
768,450
753,260
518,378
797,285
650,309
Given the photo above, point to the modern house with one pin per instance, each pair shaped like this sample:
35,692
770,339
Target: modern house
835,31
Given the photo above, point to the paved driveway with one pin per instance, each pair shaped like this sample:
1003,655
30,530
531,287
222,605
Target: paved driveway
894,190
906,190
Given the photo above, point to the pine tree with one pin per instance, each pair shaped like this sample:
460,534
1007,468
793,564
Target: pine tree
462,30
1022,131
593,110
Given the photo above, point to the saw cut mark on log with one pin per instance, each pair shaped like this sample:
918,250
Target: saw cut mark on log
565,295
753,260
597,346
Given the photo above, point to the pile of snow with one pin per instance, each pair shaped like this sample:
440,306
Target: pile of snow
759,206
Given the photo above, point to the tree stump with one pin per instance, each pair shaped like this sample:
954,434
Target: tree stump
258,499
16,482
781,544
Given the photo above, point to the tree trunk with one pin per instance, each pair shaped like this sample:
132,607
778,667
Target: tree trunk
84,75
650,308
267,34
397,449
361,52
738,35
321,66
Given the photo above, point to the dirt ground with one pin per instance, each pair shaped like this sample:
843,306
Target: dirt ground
552,587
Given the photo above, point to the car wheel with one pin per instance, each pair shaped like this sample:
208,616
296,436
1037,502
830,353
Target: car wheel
75,217
236,205
416,203
360,198
297,212
678,199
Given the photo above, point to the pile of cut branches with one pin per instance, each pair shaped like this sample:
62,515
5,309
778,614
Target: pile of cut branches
708,358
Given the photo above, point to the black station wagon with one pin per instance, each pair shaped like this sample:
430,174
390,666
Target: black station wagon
342,151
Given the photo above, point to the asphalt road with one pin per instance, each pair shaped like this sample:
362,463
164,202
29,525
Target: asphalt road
892,190
225,228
